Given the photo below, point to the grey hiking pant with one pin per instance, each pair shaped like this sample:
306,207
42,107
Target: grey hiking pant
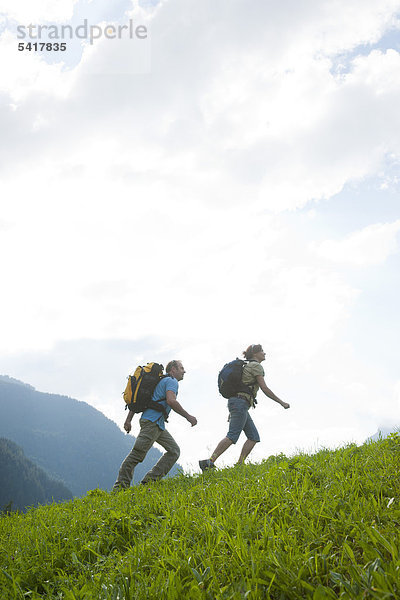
149,434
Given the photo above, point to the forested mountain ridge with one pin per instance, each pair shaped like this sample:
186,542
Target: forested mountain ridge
22,483
69,439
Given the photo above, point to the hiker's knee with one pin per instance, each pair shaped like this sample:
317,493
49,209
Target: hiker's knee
136,455
175,452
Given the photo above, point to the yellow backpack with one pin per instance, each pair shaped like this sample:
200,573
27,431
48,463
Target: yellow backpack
140,388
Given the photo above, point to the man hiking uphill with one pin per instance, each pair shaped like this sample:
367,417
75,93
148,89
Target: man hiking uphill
152,429
252,379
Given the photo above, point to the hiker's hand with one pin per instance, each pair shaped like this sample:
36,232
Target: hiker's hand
192,420
127,426
285,405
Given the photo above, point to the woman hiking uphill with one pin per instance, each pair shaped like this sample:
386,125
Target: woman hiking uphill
238,405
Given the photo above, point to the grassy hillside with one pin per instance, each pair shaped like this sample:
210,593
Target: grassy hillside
319,527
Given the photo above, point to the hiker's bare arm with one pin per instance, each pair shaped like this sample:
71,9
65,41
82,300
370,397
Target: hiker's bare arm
174,404
128,422
270,393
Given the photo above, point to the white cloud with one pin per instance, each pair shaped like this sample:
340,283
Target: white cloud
261,116
24,74
27,11
370,246
101,265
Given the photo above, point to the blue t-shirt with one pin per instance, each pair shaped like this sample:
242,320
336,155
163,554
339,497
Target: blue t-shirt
165,385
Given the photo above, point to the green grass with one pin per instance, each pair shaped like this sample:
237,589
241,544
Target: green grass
312,526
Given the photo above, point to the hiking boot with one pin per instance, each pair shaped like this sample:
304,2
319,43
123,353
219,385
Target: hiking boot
206,464
117,487
148,481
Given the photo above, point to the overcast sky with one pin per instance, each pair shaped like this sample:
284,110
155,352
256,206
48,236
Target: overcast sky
230,178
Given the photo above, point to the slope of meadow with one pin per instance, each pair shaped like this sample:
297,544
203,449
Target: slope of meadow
312,526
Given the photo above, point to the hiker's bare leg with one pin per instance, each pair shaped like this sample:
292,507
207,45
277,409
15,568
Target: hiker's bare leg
220,449
247,448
